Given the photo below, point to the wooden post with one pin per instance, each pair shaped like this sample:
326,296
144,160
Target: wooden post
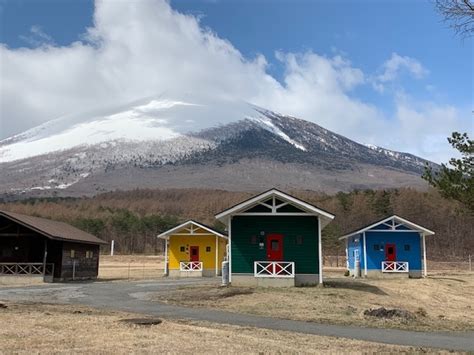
470,263
45,257
73,270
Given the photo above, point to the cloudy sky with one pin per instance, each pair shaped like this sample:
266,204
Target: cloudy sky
391,75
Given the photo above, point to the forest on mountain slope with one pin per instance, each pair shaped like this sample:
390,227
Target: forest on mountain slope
134,218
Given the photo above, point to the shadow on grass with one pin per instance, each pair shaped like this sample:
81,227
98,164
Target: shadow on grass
354,285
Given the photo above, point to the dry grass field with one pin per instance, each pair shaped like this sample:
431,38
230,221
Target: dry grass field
443,301
133,267
53,329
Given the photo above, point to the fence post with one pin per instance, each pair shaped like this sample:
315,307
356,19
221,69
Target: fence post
470,263
129,271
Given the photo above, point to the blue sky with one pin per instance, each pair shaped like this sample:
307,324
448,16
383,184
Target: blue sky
364,33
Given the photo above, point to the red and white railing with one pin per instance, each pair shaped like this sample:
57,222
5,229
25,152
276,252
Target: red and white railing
394,266
190,266
274,269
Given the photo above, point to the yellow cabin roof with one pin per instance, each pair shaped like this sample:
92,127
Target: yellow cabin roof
190,228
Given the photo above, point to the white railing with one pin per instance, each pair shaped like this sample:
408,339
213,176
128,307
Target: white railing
190,266
394,266
274,269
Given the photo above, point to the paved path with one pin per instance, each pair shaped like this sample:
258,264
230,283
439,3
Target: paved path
133,297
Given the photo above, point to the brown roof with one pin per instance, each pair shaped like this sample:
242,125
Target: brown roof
53,229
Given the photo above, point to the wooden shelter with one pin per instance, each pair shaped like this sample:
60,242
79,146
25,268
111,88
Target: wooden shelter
42,248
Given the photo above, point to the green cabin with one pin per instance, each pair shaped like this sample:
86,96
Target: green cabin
275,240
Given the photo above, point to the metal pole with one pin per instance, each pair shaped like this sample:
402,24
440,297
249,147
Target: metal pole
112,246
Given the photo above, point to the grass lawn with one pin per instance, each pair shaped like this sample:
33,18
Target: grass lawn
48,329
443,301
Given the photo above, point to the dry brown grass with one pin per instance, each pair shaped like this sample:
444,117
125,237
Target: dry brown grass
48,329
133,267
440,302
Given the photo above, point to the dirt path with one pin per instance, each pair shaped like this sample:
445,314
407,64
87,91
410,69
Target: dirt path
133,297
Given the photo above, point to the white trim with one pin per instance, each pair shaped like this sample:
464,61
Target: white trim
395,266
393,218
275,193
425,268
190,266
190,223
272,214
320,252
286,269
365,255
347,254
166,257
217,255
229,258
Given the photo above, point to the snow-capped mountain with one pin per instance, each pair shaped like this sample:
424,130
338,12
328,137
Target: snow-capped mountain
173,143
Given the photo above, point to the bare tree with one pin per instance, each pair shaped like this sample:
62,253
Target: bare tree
459,14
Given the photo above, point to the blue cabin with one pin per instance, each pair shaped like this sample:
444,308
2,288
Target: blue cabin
391,246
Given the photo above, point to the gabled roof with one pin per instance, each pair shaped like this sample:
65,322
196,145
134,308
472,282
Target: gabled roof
398,219
189,223
325,216
52,229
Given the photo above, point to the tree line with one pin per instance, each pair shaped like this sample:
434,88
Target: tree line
134,218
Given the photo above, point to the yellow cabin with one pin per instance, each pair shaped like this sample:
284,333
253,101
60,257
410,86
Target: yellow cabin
193,249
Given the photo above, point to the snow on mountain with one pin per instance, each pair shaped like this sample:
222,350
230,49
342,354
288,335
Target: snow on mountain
130,144
267,123
155,120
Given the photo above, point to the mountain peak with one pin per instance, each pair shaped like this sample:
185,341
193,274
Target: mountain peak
159,136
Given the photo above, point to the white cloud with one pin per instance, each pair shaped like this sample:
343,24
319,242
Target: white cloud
37,37
393,66
143,49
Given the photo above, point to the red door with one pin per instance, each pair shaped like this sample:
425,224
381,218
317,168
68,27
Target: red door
390,252
193,253
274,247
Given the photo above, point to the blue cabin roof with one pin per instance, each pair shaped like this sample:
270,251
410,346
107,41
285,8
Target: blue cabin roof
392,223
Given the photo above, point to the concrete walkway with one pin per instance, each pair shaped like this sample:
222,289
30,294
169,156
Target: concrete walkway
133,297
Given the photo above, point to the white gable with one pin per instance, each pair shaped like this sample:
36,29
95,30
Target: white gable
191,228
275,202
392,224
